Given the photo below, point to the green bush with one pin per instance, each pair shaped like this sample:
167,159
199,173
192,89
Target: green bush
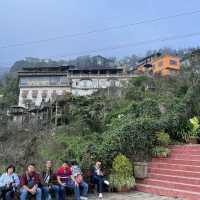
159,151
195,127
122,173
195,123
122,166
148,108
162,138
131,137
191,130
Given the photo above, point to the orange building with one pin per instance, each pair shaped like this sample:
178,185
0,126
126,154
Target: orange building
157,64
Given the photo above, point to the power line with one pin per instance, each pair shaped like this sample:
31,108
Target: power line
74,35
145,42
126,45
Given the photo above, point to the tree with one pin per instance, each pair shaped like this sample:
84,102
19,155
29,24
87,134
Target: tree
9,90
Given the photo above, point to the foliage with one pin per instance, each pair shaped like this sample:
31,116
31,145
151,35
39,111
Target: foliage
162,138
159,151
133,138
122,173
101,126
148,108
195,127
192,131
121,183
9,91
122,166
64,147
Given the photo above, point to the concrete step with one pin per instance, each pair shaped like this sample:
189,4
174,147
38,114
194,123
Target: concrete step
174,172
163,191
185,156
174,178
185,151
174,166
185,147
177,161
170,184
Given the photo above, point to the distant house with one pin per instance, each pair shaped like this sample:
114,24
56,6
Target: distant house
158,64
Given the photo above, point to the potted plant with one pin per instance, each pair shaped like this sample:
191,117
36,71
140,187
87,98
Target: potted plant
160,152
162,141
121,178
191,138
193,135
140,170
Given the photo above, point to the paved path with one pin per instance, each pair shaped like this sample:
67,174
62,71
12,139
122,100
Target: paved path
132,196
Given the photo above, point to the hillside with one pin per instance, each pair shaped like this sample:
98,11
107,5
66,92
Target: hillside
82,61
88,61
94,124
3,70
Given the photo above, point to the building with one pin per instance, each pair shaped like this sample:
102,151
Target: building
43,84
158,64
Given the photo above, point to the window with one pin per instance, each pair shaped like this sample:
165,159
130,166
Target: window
34,94
85,84
173,62
64,80
44,94
54,93
25,93
54,80
23,82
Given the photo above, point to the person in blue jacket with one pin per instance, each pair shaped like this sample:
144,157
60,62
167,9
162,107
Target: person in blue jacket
9,181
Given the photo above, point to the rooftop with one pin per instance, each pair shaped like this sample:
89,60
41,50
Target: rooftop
70,68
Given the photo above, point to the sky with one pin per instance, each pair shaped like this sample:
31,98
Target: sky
25,21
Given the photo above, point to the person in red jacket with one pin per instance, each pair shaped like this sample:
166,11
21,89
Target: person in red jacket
30,183
66,180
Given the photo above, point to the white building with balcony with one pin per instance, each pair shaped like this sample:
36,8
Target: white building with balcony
39,85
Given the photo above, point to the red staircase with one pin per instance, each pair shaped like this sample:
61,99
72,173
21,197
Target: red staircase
176,176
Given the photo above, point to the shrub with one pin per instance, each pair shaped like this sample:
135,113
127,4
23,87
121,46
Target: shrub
148,108
191,131
162,138
122,166
131,137
195,123
195,126
122,173
159,151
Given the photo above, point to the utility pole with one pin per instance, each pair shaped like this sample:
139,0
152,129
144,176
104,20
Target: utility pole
56,116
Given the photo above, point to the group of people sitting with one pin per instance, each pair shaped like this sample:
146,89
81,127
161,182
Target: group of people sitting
48,184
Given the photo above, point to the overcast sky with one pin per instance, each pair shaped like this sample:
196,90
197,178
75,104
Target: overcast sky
24,21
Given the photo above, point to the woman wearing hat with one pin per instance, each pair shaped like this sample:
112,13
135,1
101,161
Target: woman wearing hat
9,181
